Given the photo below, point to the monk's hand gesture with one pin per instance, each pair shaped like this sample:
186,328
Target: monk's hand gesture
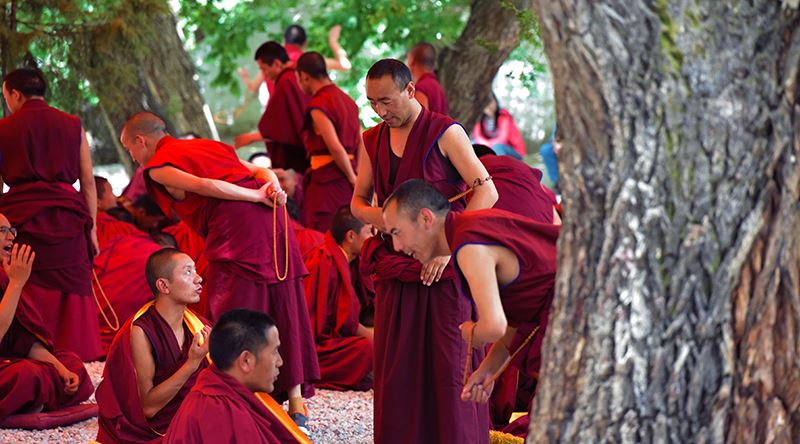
478,387
70,380
199,347
432,271
270,194
18,265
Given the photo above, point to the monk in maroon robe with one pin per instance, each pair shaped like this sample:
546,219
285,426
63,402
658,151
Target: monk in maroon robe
307,239
332,136
155,358
253,259
422,63
344,345
419,357
33,376
44,152
281,125
508,261
230,403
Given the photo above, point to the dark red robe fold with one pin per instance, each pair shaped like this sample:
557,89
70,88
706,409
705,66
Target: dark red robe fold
241,269
327,188
345,359
419,354
307,239
40,156
429,84
26,384
120,271
110,229
220,409
519,188
282,123
121,416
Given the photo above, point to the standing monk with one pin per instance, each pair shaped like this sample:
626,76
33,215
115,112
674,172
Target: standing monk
44,151
332,137
508,261
253,259
418,350
281,125
422,63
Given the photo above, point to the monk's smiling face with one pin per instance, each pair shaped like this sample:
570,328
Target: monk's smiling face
6,237
184,285
392,103
267,365
412,234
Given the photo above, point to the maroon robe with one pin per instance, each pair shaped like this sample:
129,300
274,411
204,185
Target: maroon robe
345,359
307,239
27,384
120,271
282,123
519,188
110,229
419,353
121,416
429,85
220,409
40,162
239,238
327,188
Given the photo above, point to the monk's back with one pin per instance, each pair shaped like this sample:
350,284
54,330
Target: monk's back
39,143
519,189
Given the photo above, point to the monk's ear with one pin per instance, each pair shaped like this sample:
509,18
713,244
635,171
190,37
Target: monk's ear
162,285
411,89
350,236
245,361
425,217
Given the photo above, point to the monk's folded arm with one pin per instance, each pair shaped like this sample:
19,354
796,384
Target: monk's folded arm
478,265
172,177
361,205
326,130
38,352
154,398
455,145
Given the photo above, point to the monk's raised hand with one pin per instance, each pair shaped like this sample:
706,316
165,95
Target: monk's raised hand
432,271
18,265
199,347
478,387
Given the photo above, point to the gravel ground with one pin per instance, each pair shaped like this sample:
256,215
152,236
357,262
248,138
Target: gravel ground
335,418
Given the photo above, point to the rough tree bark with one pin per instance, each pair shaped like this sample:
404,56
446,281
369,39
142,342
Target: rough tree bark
677,310
491,33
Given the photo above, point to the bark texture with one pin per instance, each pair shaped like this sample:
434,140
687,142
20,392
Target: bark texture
677,310
491,33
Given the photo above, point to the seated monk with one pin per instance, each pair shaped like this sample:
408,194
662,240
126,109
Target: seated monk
508,262
344,345
156,356
223,405
33,377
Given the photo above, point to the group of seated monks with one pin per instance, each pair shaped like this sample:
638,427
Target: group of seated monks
401,259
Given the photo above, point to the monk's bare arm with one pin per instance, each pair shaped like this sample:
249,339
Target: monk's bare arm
478,264
39,353
455,145
324,127
265,174
154,398
361,205
88,187
174,178
340,62
18,269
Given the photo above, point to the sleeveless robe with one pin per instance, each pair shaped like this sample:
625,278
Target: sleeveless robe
326,188
429,84
419,353
40,156
519,188
241,269
345,359
282,123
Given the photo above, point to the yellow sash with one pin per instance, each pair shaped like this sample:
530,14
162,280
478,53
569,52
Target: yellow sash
195,326
320,160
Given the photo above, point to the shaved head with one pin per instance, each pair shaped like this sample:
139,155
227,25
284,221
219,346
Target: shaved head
423,54
160,265
143,123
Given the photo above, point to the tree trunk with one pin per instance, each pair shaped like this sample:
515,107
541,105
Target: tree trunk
152,73
677,308
491,33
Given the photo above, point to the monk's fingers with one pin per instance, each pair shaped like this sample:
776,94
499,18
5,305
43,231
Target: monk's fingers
439,270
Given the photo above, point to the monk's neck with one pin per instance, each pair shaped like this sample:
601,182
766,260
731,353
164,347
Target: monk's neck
442,246
316,86
171,312
416,110
346,250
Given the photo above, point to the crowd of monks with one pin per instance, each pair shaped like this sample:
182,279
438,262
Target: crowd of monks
400,259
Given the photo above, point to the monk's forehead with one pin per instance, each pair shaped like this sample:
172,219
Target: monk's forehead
4,220
382,86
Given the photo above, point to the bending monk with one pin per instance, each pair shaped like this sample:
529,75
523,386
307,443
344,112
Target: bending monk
508,261
429,92
230,202
33,377
44,151
223,405
344,345
418,350
155,357
332,137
